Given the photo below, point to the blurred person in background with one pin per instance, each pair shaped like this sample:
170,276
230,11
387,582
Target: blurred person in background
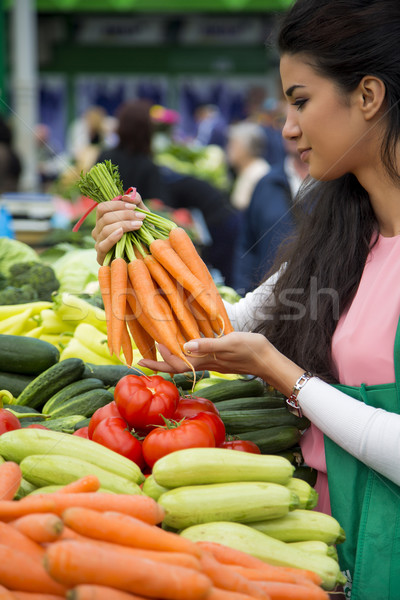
271,117
245,154
88,135
50,161
133,152
269,219
211,126
10,163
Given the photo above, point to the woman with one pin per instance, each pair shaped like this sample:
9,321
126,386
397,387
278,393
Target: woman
333,308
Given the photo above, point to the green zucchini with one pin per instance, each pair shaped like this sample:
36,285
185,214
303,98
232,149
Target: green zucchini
19,443
51,381
196,466
253,542
14,382
69,392
239,501
273,439
238,388
26,355
50,489
64,424
152,489
84,404
307,495
256,402
25,488
240,421
45,469
109,374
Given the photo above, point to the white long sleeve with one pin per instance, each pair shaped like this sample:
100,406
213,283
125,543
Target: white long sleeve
370,434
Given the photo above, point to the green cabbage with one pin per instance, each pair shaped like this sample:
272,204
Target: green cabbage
75,269
12,252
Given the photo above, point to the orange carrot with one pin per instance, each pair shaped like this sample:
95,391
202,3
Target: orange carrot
185,318
10,479
225,577
119,281
88,483
122,529
186,250
218,594
104,277
142,508
18,571
278,574
202,319
126,343
292,591
34,596
69,534
166,255
11,509
5,594
143,340
227,555
70,563
16,540
40,527
99,592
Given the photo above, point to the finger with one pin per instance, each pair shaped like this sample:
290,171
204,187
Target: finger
155,365
201,346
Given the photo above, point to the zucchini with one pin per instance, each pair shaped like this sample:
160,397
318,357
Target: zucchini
307,494
253,542
240,421
317,547
302,525
70,391
51,381
196,466
14,382
49,489
46,469
228,389
85,404
17,444
64,424
273,439
109,374
241,501
256,402
25,488
26,355
152,489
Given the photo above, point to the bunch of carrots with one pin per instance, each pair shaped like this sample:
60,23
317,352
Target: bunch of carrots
81,544
154,284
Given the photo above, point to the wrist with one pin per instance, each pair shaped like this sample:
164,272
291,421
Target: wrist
279,371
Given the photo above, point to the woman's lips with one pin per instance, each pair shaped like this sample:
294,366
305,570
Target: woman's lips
304,154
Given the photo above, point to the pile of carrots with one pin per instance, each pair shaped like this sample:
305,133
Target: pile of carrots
154,284
82,544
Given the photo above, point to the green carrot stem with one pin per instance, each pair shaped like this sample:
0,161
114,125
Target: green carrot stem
129,251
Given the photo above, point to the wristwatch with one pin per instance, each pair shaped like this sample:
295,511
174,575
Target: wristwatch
292,402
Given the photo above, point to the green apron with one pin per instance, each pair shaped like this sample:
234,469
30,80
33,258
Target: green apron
367,506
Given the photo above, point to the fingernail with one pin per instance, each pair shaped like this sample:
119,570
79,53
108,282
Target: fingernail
136,224
140,216
133,193
191,346
130,205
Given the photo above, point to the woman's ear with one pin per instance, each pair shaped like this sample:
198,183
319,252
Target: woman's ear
372,92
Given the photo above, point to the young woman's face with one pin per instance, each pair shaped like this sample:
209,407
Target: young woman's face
328,128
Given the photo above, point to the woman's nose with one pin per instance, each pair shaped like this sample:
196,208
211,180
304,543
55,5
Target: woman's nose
291,129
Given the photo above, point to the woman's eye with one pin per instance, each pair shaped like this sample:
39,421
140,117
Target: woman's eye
300,103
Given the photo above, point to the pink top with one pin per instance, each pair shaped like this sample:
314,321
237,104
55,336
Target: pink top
363,342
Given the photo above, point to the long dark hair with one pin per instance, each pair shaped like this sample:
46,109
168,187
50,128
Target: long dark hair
135,128
343,40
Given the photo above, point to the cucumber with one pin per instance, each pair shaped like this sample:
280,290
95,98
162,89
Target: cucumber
26,414
228,389
109,374
23,409
85,404
306,473
253,542
83,423
196,466
185,380
26,355
17,444
240,421
302,525
307,495
45,469
256,402
241,502
51,381
14,382
69,392
273,439
64,424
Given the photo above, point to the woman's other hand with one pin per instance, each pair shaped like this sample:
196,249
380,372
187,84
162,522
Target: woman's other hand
113,219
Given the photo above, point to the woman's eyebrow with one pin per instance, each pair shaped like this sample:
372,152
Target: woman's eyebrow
290,90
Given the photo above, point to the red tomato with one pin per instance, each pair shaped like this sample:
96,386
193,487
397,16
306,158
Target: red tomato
189,407
82,432
186,434
36,426
8,421
242,445
214,422
114,433
143,401
109,410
